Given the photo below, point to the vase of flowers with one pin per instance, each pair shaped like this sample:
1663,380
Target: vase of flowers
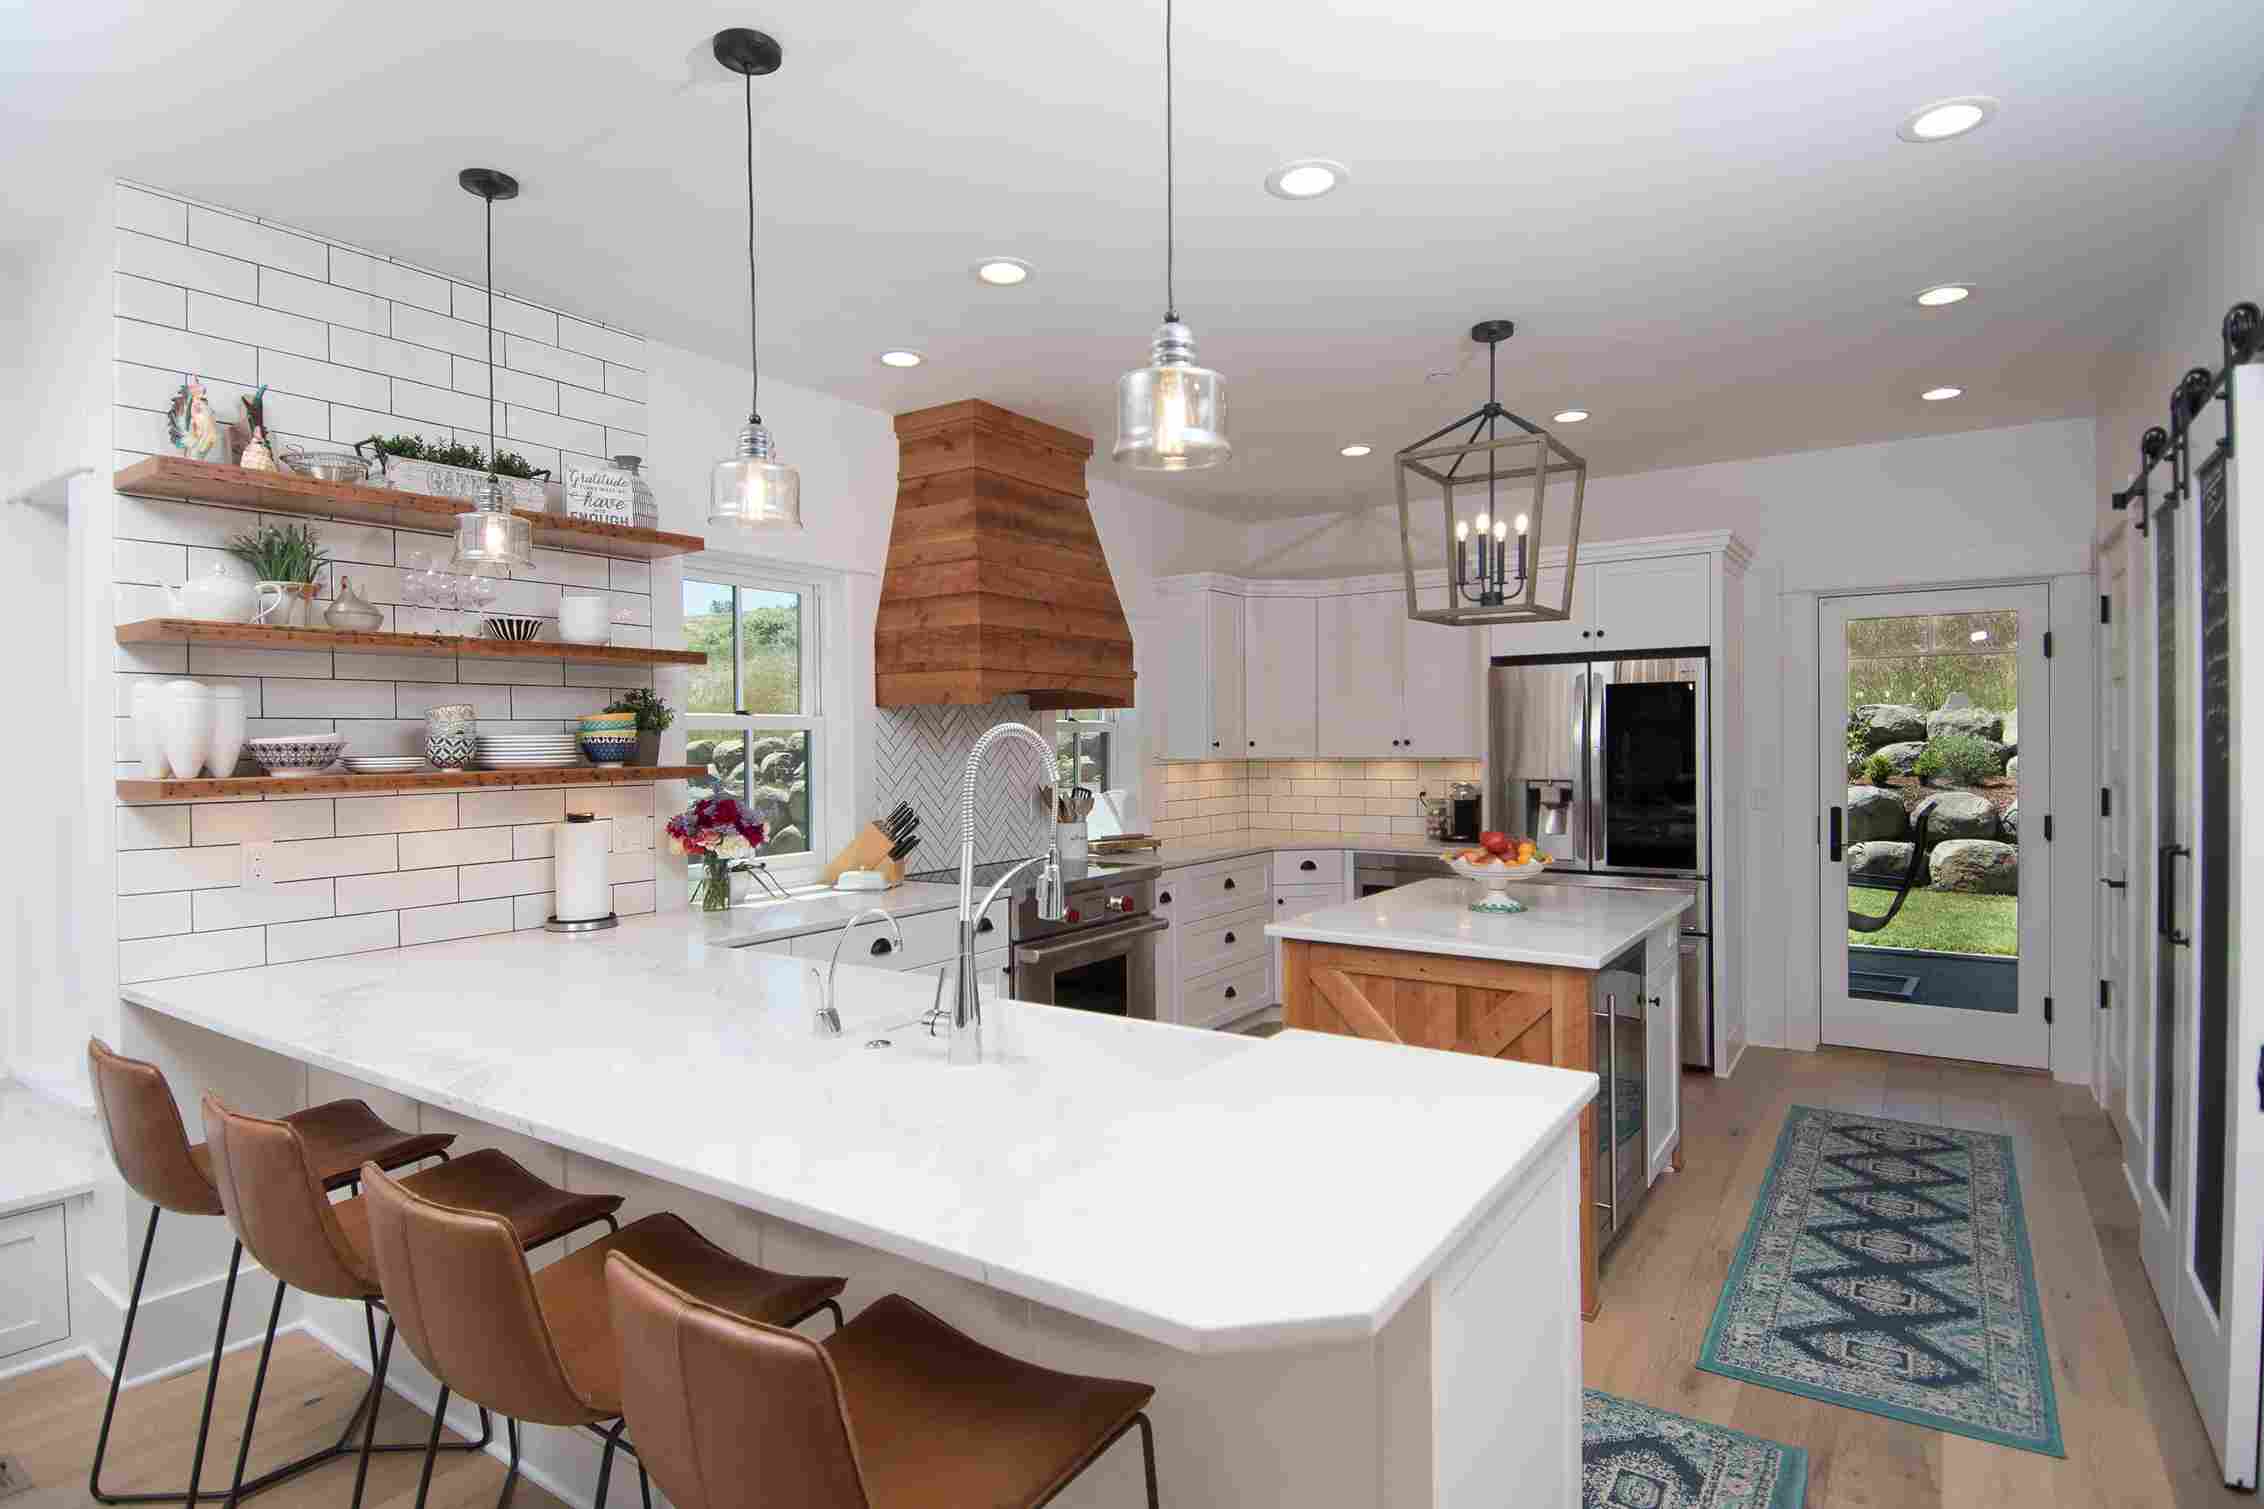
717,832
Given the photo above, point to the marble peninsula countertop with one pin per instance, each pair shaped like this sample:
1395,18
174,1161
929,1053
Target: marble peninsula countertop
1573,927
1209,1191
814,909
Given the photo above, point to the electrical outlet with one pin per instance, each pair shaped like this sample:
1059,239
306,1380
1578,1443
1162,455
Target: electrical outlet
259,868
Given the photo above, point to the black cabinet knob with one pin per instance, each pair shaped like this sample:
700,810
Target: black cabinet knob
986,926
1230,882
1230,992
1306,864
1583,633
882,946
1230,937
1163,898
1599,633
1214,743
1253,743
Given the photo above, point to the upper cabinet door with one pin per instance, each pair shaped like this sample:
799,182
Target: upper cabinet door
1657,604
1549,637
1359,673
1283,689
1228,680
1442,687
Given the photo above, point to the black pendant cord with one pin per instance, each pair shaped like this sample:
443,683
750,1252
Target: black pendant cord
1170,187
754,346
491,337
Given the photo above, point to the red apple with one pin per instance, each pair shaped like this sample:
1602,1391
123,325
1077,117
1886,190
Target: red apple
1494,843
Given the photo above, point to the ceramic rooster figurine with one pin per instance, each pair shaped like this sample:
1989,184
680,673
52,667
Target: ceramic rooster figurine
189,423
258,455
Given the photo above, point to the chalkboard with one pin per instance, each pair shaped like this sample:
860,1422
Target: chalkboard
2212,912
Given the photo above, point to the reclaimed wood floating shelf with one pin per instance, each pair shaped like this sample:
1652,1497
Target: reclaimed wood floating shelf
269,637
285,492
422,780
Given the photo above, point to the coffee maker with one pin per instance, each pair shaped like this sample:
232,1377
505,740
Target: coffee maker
1463,817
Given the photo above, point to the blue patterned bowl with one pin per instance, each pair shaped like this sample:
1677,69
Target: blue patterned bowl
451,748
609,748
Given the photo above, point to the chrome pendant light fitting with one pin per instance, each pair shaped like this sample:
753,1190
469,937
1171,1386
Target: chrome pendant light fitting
751,488
491,540
1171,414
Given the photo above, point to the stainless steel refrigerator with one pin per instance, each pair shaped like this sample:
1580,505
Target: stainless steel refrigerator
1605,763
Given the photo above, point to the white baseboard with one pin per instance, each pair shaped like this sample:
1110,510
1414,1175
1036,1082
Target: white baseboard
173,1330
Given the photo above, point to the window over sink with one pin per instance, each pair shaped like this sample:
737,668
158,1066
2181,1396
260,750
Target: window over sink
754,716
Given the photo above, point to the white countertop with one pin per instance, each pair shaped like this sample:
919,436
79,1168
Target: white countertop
55,1151
1576,927
816,911
1194,851
1206,1190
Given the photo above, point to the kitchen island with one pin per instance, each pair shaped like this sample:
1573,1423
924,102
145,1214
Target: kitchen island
1229,1218
1414,965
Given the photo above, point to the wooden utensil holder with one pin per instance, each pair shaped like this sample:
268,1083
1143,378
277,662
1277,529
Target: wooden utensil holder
867,851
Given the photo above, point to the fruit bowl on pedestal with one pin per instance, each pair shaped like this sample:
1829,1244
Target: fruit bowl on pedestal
1493,875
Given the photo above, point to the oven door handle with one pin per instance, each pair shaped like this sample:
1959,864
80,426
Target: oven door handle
1093,942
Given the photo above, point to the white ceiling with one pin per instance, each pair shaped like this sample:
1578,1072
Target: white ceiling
1697,211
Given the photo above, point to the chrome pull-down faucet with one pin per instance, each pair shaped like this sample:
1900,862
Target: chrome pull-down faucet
1053,891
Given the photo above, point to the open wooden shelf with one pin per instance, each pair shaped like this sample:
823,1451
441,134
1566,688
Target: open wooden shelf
421,780
269,637
286,492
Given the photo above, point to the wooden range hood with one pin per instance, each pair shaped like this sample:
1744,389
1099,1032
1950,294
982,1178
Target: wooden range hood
996,584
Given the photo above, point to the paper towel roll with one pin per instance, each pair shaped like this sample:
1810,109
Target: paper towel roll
580,847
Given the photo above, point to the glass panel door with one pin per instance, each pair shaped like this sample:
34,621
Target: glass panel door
1933,882
1649,779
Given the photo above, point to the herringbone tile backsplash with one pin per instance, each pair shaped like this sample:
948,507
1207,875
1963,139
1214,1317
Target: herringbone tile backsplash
919,756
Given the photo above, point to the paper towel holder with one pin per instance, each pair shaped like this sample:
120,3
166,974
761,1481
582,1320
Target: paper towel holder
586,925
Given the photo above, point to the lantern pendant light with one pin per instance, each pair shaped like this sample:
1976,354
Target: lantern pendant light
1171,414
491,540
751,488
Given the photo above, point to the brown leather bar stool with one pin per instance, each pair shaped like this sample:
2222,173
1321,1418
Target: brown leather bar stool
539,1346
153,1154
276,1199
731,1412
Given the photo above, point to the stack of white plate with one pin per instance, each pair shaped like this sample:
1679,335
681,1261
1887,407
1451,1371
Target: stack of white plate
387,764
529,751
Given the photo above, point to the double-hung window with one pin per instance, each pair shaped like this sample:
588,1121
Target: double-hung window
1084,741
754,715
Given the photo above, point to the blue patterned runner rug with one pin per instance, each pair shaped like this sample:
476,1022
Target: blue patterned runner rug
1635,1457
1887,1269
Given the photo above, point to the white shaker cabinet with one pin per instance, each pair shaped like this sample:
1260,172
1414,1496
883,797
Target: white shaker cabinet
1203,677
1659,603
1281,689
1442,690
1662,1044
1550,636
1358,644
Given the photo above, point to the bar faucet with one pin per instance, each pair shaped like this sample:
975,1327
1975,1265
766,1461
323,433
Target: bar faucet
828,1020
1053,903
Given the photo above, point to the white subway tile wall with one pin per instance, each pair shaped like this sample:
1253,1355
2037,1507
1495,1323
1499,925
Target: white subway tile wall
351,344
1310,796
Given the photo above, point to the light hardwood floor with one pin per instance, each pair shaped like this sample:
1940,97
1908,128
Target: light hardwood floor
2132,1434
48,1422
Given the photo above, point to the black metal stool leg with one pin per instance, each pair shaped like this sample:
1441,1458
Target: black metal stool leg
212,1375
259,1382
369,1427
604,1462
117,1375
511,1478
1148,1457
432,1447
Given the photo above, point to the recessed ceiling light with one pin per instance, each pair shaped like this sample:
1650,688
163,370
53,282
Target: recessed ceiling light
1306,178
1936,395
1571,416
1003,272
1947,118
1355,450
1940,294
901,358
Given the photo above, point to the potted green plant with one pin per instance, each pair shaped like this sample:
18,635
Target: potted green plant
287,560
653,718
452,469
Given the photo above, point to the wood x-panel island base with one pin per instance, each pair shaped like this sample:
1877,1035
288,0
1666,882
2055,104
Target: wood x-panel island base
1531,1013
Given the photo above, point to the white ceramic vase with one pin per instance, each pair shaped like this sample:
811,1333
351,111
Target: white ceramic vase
186,716
585,617
228,730
149,728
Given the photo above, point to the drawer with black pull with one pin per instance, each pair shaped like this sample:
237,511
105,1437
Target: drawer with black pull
1211,943
1223,995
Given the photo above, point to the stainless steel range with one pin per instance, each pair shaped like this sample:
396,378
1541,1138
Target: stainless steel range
1100,955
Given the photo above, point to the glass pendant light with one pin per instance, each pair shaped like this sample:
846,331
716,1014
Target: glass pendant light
751,487
1171,414
491,540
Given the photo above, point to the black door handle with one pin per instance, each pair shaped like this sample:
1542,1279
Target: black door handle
1306,864
2171,854
882,946
2114,885
1835,835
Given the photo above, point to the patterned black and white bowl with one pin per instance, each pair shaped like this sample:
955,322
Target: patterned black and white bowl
509,626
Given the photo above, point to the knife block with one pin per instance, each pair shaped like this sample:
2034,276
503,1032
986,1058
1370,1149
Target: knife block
867,851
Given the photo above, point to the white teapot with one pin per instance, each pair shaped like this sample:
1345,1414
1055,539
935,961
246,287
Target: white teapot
216,596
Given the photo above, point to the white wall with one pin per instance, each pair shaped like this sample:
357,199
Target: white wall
1982,504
